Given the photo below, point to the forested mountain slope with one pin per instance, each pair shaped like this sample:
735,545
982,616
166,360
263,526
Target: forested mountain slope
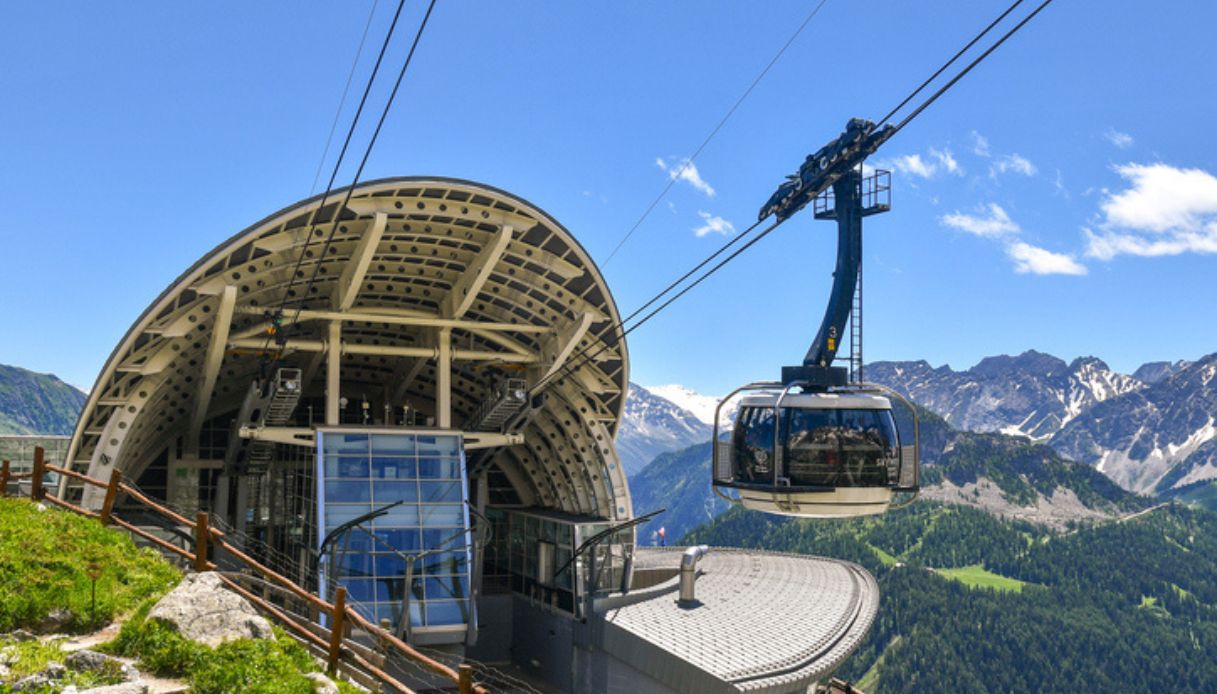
1117,606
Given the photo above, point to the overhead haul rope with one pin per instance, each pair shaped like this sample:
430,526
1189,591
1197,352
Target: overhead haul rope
582,357
384,114
675,174
277,316
343,99
967,47
334,224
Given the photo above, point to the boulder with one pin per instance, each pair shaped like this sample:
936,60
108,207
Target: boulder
204,610
85,660
41,680
19,635
56,620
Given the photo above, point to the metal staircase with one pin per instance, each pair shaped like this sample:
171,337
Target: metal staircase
508,399
273,406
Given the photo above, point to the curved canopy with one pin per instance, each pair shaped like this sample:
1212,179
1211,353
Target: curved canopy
422,273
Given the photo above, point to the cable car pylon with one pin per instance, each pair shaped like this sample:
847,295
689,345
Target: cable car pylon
819,443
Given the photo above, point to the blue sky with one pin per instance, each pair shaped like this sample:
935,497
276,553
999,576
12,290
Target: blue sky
1062,197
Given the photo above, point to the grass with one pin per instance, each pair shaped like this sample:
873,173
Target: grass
976,576
46,557
253,666
29,657
887,559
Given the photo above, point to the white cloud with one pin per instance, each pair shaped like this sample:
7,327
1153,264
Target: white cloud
994,225
915,165
927,166
1119,139
980,144
685,170
1015,163
713,224
1040,261
1059,184
1164,211
947,161
997,225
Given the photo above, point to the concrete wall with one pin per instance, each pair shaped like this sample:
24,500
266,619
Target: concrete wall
543,643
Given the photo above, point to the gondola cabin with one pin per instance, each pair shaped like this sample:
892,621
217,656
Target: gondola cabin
814,454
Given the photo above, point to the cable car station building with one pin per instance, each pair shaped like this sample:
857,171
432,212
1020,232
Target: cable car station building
430,423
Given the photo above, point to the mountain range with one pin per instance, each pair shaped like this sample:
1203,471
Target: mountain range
1151,432
34,403
653,425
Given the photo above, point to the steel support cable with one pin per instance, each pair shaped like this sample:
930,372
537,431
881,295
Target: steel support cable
675,175
965,49
942,90
689,274
343,99
916,112
291,281
384,114
567,370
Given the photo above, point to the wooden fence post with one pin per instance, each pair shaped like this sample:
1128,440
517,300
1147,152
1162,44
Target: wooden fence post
336,627
36,490
4,479
201,533
107,506
466,678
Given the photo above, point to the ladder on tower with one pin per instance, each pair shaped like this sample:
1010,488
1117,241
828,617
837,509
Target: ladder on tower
855,333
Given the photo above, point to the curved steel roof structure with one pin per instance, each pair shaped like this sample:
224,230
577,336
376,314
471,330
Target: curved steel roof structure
431,286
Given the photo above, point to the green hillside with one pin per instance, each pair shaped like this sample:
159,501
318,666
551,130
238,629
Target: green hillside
974,603
34,403
680,483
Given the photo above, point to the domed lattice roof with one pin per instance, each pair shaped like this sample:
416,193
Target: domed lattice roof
416,266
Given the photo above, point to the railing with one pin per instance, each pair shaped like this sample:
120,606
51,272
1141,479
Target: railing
340,651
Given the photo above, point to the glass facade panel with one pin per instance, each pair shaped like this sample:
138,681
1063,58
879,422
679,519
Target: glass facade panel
427,533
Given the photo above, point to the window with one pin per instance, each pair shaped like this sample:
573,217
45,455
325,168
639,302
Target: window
754,445
838,448
365,471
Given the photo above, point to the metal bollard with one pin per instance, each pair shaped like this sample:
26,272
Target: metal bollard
688,574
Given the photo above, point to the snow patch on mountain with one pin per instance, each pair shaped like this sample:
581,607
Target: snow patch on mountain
1032,394
702,406
653,425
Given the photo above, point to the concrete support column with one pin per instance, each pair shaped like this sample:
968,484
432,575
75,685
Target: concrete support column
333,373
443,381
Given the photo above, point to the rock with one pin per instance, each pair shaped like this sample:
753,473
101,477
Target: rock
124,688
57,619
130,673
91,661
41,680
19,635
322,684
204,610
